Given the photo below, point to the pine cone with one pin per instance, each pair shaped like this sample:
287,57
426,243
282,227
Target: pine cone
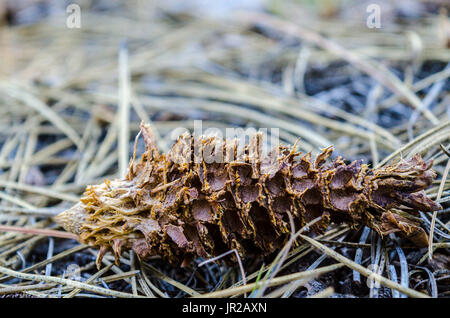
180,205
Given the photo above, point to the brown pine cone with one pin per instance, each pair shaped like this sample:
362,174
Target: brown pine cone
182,204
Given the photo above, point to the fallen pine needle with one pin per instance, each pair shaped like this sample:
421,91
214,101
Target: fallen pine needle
68,282
45,232
364,271
274,282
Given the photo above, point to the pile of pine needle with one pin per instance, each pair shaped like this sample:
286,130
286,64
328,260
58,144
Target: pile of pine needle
71,100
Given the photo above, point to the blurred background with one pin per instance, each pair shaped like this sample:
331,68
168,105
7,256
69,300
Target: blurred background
77,78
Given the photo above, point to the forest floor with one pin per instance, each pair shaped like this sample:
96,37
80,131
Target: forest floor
313,71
